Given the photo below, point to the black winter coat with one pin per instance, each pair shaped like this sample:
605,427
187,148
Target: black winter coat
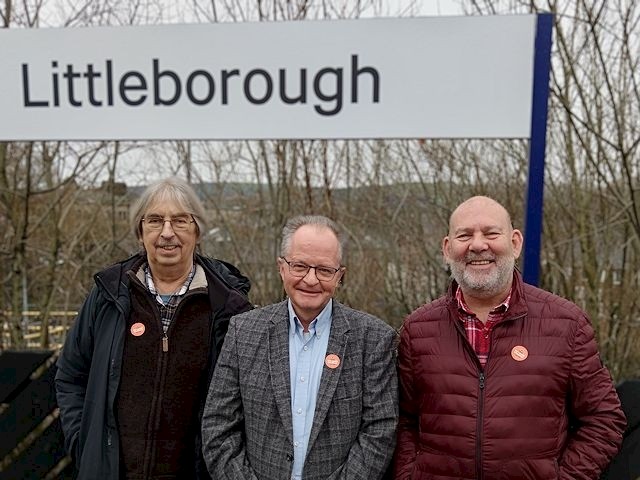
89,366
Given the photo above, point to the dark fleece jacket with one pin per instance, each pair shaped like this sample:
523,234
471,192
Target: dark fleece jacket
91,370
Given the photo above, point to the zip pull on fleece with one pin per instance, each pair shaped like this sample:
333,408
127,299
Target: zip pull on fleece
165,343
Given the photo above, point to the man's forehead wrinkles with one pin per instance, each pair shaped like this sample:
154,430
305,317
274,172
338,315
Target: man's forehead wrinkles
473,228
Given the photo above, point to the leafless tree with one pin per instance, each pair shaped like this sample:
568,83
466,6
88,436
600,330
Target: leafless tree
392,197
591,228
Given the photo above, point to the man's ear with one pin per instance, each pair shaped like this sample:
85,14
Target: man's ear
281,265
516,241
445,248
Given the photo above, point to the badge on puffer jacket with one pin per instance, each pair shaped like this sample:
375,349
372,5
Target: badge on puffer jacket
519,353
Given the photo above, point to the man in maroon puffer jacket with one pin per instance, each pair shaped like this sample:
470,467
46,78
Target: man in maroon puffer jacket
499,379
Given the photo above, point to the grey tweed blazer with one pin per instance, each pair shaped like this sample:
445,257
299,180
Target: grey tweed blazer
247,428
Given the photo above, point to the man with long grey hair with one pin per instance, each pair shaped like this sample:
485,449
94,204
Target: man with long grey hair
134,371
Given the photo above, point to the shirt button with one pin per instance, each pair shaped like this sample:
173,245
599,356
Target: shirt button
302,379
295,444
299,411
305,348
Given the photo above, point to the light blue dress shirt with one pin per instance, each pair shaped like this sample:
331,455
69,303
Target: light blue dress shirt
306,362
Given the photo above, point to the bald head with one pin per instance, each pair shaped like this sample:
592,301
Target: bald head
480,203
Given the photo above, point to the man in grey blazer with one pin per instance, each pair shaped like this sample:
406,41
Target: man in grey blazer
305,389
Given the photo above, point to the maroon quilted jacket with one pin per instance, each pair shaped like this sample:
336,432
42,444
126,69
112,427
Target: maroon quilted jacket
553,415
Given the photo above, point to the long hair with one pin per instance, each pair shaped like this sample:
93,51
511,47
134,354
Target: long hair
175,190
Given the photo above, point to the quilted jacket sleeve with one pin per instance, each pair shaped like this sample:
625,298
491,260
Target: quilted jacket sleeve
595,408
407,442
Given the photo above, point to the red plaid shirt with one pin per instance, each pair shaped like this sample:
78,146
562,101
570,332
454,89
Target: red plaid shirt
479,334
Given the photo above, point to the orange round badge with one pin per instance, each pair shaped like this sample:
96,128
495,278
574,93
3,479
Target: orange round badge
137,329
519,353
332,360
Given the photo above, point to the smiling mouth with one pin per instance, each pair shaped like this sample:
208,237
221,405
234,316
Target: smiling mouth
480,262
168,247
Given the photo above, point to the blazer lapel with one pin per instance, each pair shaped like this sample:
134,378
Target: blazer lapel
338,339
279,365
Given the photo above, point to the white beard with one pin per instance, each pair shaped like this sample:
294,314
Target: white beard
484,284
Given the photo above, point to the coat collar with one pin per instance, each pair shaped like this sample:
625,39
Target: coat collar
338,339
517,305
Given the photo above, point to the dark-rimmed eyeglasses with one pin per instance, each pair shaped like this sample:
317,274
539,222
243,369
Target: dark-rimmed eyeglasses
299,269
179,223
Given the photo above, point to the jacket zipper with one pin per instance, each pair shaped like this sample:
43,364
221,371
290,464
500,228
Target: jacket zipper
481,385
479,422
154,419
165,335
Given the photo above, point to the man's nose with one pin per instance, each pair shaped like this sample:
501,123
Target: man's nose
478,242
167,229
308,278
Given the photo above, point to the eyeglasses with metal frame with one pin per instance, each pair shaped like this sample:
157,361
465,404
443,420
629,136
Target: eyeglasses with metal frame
299,269
179,223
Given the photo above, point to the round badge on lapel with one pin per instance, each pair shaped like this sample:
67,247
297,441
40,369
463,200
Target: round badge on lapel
519,353
332,361
137,329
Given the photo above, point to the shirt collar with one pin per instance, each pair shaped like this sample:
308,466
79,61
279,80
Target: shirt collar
501,307
183,289
320,323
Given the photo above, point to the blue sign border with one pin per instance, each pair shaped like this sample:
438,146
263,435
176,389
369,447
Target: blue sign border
537,144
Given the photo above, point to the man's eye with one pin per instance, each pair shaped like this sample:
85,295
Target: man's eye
179,221
325,270
154,220
299,266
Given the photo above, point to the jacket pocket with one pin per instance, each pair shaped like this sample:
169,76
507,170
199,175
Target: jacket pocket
537,468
